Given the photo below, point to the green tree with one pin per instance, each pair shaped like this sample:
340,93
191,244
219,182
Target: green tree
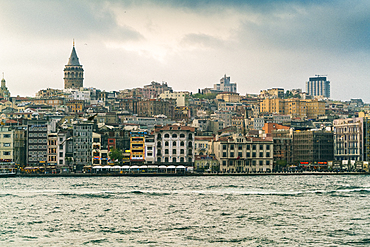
116,154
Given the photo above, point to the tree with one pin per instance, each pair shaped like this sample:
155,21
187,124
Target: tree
116,154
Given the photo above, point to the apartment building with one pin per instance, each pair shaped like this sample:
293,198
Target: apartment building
175,144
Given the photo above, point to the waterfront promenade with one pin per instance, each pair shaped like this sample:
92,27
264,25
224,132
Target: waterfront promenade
305,173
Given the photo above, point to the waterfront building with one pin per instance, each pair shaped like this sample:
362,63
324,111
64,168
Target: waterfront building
150,149
201,144
236,153
283,147
82,143
99,153
52,150
37,140
225,85
349,139
6,144
64,150
313,146
137,146
175,144
318,86
73,71
206,163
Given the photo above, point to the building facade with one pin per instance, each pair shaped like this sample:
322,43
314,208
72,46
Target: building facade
318,86
175,144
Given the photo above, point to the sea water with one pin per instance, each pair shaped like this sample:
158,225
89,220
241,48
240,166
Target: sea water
186,211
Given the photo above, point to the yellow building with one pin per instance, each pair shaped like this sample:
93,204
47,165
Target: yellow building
297,108
229,97
272,105
137,146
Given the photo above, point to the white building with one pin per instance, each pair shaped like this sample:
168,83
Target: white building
225,85
175,144
179,96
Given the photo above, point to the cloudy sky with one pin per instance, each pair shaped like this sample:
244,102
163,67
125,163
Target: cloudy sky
189,44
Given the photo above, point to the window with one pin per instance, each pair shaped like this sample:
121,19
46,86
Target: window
6,144
166,159
150,154
173,151
166,144
6,135
182,136
224,155
182,159
166,136
173,159
261,163
261,147
174,143
254,155
190,144
254,147
232,146
174,135
232,155
6,153
240,147
182,151
166,151
150,148
60,154
240,154
182,144
224,147
267,147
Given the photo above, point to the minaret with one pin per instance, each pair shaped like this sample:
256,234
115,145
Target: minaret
73,71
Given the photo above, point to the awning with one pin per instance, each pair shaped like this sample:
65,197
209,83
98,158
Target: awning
97,167
143,167
30,168
152,166
134,167
107,167
180,167
116,167
87,166
162,167
125,167
171,167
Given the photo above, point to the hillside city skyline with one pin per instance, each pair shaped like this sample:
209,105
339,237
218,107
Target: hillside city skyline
187,44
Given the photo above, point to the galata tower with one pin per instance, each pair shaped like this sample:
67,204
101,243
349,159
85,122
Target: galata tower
73,71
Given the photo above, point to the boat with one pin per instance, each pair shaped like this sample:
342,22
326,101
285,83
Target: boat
7,169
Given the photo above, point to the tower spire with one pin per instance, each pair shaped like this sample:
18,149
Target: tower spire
73,42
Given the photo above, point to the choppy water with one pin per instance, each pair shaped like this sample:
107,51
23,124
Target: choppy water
186,211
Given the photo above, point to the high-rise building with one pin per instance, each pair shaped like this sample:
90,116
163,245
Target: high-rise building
73,72
318,86
225,85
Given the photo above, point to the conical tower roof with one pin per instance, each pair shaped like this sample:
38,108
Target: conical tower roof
73,59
